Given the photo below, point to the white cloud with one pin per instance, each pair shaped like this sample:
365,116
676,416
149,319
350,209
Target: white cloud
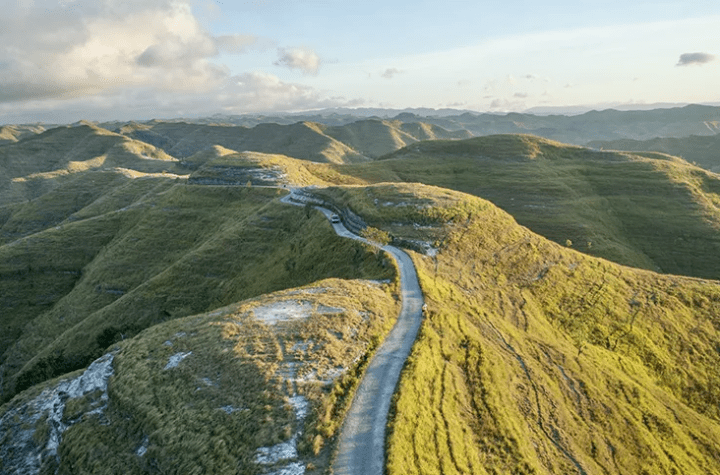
109,59
53,50
303,59
249,92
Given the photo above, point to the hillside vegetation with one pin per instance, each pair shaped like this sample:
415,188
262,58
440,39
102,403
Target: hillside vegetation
348,143
303,140
147,251
646,210
578,129
41,162
535,358
703,151
244,389
225,331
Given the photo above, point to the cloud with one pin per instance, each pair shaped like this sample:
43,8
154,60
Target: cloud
245,93
303,59
391,72
687,59
237,44
520,95
61,50
111,59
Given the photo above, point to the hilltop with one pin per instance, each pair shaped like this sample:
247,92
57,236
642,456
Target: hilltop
646,210
163,307
578,129
535,358
40,162
703,151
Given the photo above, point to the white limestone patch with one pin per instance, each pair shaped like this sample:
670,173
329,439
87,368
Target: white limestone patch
333,373
427,248
286,451
142,450
288,310
21,454
176,359
301,345
301,406
295,468
279,452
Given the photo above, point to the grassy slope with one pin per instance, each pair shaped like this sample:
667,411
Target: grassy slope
226,166
701,150
238,363
303,140
538,359
99,276
39,163
646,210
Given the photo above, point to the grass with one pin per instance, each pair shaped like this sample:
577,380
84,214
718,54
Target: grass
535,358
229,396
700,150
645,210
221,245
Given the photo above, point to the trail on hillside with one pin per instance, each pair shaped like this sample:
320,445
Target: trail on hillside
361,444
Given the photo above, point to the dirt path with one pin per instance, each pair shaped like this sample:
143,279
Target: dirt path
361,445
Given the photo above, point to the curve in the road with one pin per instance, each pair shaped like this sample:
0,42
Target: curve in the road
361,444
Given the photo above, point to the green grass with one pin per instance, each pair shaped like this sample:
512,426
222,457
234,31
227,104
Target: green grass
239,363
701,150
534,358
219,245
650,211
538,359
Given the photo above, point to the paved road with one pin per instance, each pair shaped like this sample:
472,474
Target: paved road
361,445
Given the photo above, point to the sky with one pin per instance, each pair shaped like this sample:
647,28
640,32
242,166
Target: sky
67,60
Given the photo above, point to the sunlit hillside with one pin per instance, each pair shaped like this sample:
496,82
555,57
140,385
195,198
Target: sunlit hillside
703,151
646,210
535,358
164,310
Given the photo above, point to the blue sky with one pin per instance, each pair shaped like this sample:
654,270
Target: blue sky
63,60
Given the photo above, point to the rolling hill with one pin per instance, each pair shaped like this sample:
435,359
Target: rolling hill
162,310
535,358
608,124
646,210
304,140
703,151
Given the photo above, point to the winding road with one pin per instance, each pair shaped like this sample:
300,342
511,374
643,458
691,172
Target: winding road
361,444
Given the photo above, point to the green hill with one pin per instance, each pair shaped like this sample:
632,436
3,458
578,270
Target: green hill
38,163
303,140
231,391
14,133
703,151
149,250
645,210
374,138
226,331
538,359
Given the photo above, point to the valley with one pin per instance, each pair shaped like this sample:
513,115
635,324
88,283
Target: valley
155,281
